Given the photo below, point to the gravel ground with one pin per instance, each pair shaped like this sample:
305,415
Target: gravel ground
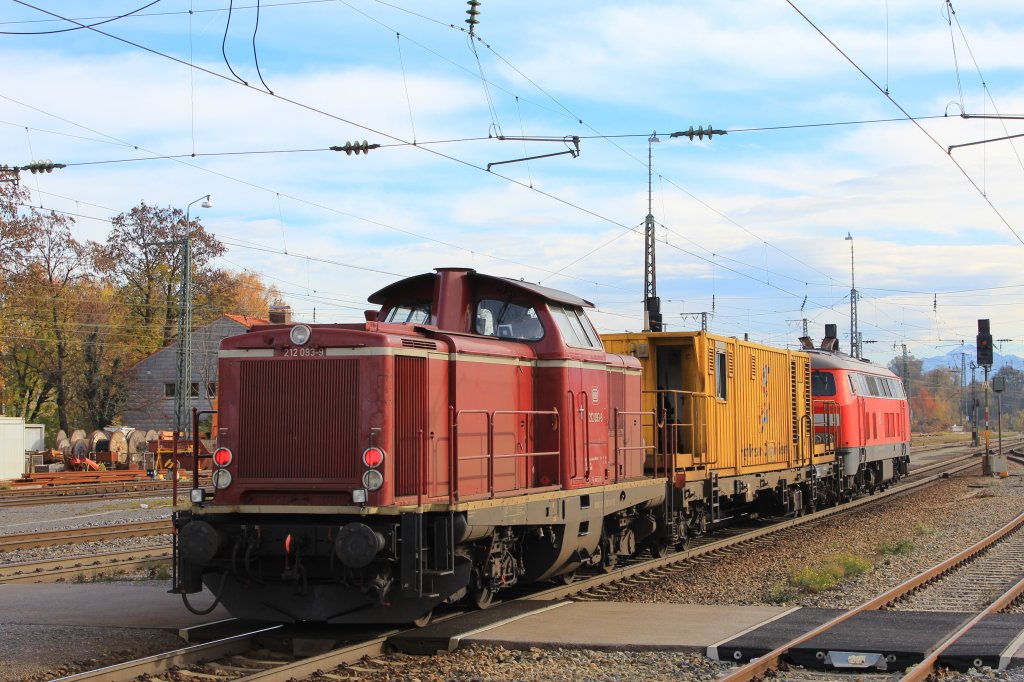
65,515
33,653
487,664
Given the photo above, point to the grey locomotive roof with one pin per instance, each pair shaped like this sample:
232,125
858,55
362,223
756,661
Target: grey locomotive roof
821,359
425,282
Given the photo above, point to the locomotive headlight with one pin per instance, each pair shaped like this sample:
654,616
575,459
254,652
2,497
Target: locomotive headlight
299,334
373,479
373,457
358,496
221,479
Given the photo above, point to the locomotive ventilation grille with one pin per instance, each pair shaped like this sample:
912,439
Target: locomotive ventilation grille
297,420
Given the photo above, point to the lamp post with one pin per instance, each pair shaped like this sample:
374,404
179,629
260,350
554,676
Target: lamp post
183,392
854,339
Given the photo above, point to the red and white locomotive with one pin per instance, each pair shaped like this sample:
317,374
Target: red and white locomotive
474,433
862,408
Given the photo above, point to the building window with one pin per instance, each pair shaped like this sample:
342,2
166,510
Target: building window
194,389
169,390
211,389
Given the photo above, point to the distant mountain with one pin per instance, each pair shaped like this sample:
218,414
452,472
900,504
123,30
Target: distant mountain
952,359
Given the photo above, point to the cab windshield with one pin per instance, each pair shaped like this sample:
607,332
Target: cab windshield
414,313
823,384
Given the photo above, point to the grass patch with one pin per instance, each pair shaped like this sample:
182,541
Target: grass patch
780,593
5,485
160,572
923,529
826,575
903,546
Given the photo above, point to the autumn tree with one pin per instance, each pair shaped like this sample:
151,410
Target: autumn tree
142,259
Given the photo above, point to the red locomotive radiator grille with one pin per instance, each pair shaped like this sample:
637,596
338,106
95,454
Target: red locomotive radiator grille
410,421
297,420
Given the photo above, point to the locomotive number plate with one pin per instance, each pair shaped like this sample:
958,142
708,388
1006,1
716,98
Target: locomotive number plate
303,352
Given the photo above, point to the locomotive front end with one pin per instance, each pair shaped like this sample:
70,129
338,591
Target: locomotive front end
301,524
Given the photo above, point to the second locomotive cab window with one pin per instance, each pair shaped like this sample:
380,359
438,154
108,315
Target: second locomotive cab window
507,320
823,384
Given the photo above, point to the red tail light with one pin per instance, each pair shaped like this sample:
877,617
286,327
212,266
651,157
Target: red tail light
373,457
222,457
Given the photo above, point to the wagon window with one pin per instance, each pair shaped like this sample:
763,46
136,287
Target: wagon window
823,384
507,320
721,368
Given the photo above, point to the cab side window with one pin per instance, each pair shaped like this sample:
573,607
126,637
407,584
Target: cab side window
507,320
575,327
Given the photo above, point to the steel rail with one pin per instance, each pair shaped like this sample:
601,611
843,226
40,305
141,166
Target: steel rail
923,670
72,536
160,663
770,661
70,568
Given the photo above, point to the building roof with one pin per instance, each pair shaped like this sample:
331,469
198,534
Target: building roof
245,320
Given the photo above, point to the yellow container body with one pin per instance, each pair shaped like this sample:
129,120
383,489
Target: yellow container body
722,404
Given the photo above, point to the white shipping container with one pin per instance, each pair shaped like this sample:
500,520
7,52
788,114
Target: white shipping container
35,437
12,447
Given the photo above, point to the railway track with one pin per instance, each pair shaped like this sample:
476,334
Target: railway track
73,536
78,568
239,658
85,492
996,559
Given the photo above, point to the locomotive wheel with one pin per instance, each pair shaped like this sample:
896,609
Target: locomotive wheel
567,578
483,597
424,620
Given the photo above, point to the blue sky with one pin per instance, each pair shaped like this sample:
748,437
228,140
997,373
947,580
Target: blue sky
751,224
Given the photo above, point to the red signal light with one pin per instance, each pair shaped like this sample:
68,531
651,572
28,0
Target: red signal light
373,457
222,457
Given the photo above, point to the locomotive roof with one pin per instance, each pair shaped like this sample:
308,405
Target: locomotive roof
425,283
823,359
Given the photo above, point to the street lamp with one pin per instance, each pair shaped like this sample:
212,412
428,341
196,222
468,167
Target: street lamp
183,393
854,345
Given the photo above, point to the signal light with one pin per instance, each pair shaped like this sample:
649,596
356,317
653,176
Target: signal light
357,147
984,344
222,457
373,457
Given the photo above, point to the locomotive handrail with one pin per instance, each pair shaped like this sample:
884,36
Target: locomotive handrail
490,455
630,448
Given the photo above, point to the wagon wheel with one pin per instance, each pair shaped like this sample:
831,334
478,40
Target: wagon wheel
424,620
658,546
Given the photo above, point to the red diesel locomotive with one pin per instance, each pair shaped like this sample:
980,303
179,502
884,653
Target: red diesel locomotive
862,408
474,433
